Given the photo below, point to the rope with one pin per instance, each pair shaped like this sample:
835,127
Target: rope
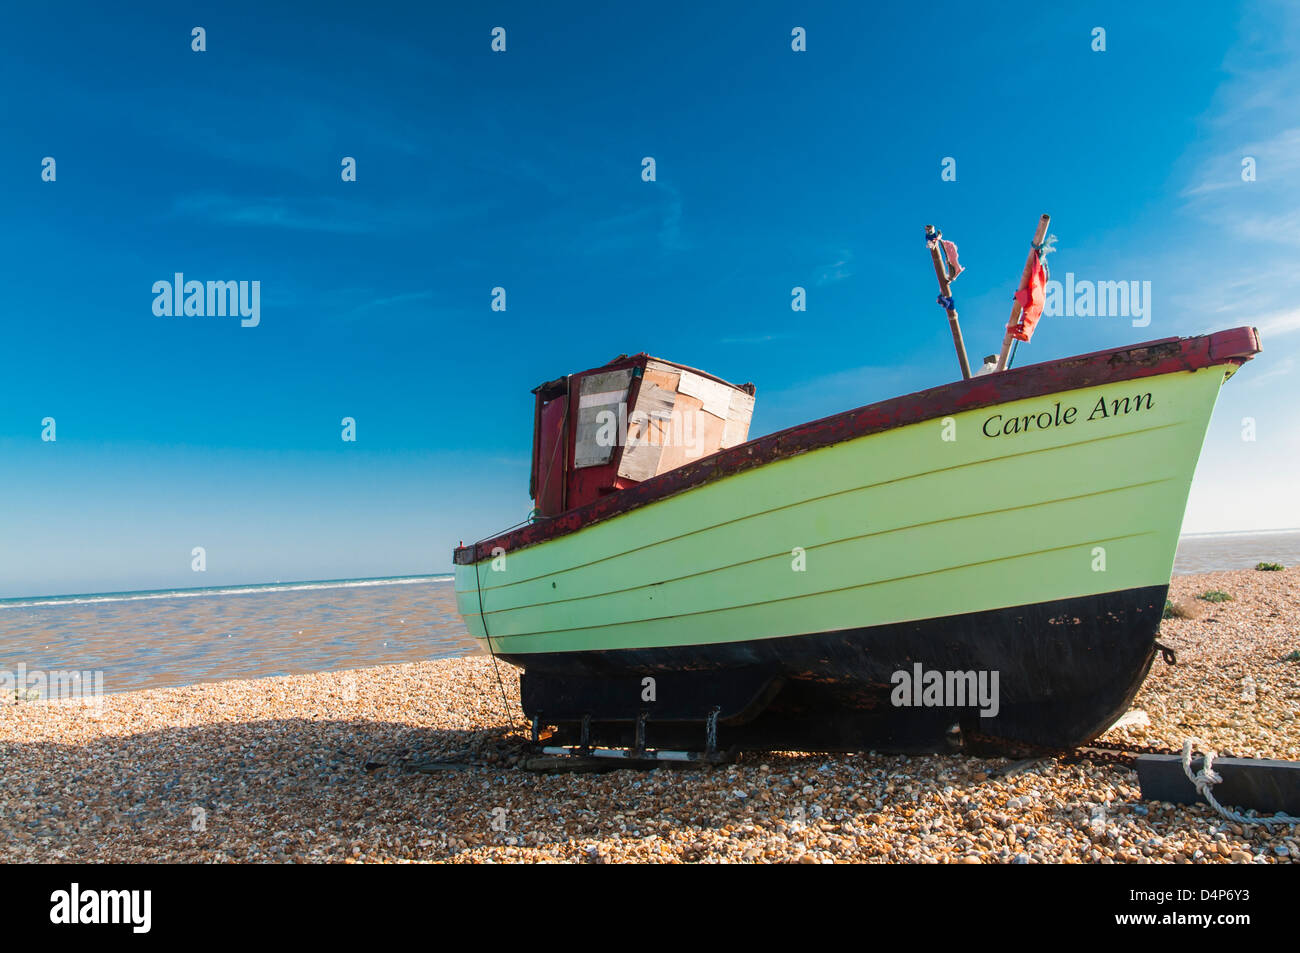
1205,779
478,585
533,516
947,302
1045,248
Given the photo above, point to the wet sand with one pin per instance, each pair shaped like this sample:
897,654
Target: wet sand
193,636
275,769
1213,552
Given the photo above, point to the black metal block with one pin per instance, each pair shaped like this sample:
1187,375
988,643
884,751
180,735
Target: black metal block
1262,785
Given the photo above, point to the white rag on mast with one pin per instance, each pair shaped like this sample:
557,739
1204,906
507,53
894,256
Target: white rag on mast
950,252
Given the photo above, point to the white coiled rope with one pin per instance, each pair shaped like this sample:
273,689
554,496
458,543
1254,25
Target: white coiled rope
1205,779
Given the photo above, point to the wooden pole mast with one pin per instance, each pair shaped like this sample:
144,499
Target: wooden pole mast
945,291
1039,234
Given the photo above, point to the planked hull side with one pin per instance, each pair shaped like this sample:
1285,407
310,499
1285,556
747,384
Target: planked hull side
1041,551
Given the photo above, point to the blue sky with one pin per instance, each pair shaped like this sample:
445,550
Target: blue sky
522,170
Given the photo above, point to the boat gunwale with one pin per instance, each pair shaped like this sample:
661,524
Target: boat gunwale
1134,362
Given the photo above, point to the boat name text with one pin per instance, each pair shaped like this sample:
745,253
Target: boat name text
1000,425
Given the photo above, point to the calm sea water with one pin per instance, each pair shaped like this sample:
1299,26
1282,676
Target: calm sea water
1211,552
179,637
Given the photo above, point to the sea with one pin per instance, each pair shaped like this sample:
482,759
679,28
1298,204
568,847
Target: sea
1213,552
167,637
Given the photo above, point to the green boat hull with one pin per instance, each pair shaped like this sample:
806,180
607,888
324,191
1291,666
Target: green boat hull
1033,538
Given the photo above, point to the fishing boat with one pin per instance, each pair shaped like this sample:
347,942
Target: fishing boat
986,560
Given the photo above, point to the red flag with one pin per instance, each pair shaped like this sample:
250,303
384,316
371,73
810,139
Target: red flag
1031,301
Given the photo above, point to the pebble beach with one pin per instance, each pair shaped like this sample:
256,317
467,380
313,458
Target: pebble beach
333,767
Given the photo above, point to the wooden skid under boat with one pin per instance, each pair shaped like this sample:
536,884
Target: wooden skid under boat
1020,525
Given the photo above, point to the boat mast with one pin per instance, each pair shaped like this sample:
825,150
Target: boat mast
1030,263
945,297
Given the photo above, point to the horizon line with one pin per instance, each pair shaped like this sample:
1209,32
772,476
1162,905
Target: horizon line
180,591
7,601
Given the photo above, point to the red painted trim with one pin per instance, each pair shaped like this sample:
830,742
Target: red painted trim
1166,356
624,361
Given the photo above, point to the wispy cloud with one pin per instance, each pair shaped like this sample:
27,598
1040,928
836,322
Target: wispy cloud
1233,260
837,270
319,213
1283,368
1276,160
391,301
1260,208
756,339
1254,278
1281,322
670,227
657,220
835,391
316,215
310,114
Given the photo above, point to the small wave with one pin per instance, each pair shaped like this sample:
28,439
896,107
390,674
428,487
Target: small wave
1242,532
89,599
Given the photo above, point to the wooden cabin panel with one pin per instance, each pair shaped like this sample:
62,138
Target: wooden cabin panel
739,414
665,375
707,436
648,429
551,462
686,439
715,397
599,395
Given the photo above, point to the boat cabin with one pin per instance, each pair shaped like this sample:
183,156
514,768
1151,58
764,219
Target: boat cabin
612,427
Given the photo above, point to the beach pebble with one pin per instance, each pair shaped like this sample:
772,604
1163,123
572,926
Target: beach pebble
275,767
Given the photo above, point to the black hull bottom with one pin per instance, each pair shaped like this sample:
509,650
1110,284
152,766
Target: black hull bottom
1065,670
